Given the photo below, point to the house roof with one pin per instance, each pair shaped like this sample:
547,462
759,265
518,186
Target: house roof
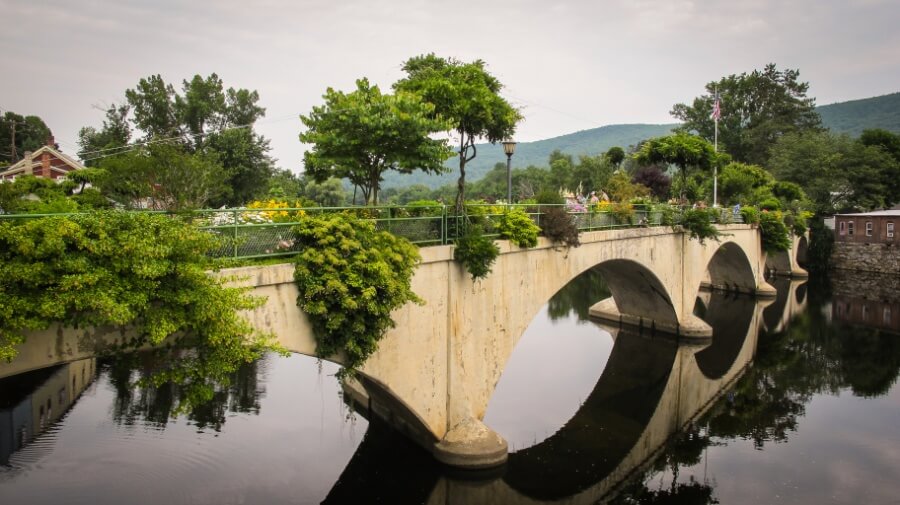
22,164
891,212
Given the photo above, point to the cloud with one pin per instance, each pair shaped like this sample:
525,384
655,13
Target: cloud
574,64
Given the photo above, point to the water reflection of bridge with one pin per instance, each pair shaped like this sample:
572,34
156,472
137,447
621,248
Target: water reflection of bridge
651,389
31,402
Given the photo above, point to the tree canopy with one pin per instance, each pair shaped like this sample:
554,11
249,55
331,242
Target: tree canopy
203,119
19,134
162,177
468,97
756,109
362,134
680,149
837,172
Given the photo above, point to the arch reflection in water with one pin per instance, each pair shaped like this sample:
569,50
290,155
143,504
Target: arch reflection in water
649,389
31,403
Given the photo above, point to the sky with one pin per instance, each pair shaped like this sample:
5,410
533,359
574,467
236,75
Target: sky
569,65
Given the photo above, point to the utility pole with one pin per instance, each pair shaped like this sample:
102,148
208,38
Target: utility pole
12,145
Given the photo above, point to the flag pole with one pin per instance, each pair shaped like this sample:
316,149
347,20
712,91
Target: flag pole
716,113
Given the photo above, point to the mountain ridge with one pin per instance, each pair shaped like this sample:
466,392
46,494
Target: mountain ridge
850,117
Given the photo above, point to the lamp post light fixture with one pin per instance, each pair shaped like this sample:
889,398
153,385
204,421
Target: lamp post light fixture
509,147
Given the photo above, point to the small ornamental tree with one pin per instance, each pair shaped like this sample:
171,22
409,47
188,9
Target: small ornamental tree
362,134
351,277
683,150
467,96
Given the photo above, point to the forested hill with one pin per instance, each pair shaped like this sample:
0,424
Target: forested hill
845,117
857,115
590,142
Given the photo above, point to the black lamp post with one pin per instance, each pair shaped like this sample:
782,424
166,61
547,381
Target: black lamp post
509,147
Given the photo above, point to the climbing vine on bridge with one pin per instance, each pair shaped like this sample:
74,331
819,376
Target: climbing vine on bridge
775,234
699,224
351,277
126,269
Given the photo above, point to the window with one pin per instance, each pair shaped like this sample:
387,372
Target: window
868,228
865,312
843,227
890,230
886,316
850,228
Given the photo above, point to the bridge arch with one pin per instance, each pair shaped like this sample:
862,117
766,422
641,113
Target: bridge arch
730,269
635,288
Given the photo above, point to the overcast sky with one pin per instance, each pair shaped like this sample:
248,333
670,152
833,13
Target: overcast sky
570,65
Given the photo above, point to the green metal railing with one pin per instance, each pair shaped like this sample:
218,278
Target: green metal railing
260,233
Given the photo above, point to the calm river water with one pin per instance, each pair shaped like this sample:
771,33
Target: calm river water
795,401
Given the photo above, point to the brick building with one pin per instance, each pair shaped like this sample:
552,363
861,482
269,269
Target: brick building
867,242
46,162
879,227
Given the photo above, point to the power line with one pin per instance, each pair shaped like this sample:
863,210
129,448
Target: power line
132,147
573,116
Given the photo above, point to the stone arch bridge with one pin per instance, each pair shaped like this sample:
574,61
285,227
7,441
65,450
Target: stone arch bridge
434,374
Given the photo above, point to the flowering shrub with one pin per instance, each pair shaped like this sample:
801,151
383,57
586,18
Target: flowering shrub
573,206
601,206
277,216
257,212
623,212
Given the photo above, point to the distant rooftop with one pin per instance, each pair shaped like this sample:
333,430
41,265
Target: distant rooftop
891,212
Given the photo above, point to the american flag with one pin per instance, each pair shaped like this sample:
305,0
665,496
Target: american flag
717,111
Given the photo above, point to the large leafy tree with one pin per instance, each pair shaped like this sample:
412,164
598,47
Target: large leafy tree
204,119
756,109
466,95
837,173
362,134
890,144
19,134
680,149
162,177
112,138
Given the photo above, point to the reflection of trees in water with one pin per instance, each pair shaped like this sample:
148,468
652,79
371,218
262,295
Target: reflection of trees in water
684,450
154,387
813,357
578,296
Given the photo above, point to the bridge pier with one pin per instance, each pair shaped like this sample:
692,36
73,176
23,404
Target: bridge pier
691,326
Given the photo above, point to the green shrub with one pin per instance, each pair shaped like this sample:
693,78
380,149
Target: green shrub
518,227
770,204
559,226
351,277
476,252
143,270
750,214
668,214
421,208
547,197
623,212
91,198
698,223
775,235
799,223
